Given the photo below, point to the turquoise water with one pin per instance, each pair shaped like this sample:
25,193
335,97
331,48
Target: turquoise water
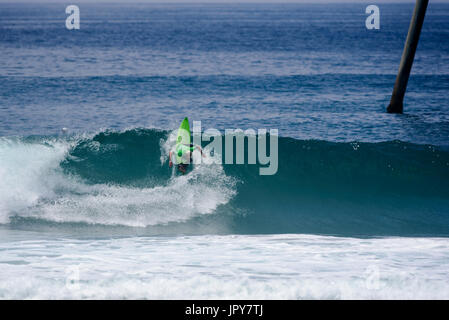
359,194
122,177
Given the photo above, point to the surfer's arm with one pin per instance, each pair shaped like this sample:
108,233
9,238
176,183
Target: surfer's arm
201,151
170,163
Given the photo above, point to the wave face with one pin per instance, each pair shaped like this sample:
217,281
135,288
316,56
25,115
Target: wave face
117,181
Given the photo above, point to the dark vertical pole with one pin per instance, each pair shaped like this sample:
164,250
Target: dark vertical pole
396,105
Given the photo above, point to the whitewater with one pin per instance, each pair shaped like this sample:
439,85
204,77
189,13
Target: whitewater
237,267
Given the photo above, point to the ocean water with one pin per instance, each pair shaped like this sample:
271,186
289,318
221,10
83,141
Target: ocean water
359,206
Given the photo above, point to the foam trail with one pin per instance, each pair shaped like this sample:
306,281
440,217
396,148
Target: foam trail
179,200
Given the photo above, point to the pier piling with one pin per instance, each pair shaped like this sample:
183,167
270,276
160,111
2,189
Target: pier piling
400,86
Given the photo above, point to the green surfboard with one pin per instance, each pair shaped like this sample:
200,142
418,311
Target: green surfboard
183,142
184,133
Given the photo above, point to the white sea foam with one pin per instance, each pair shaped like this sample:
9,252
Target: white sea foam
210,267
32,184
25,173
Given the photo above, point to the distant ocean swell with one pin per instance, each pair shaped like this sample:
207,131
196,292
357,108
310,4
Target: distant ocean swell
121,179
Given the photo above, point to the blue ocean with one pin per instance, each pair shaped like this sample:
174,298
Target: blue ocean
89,208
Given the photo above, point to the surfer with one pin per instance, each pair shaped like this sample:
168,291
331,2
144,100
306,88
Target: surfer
183,156
184,148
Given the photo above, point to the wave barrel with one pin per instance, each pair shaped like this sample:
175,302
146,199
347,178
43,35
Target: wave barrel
400,86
